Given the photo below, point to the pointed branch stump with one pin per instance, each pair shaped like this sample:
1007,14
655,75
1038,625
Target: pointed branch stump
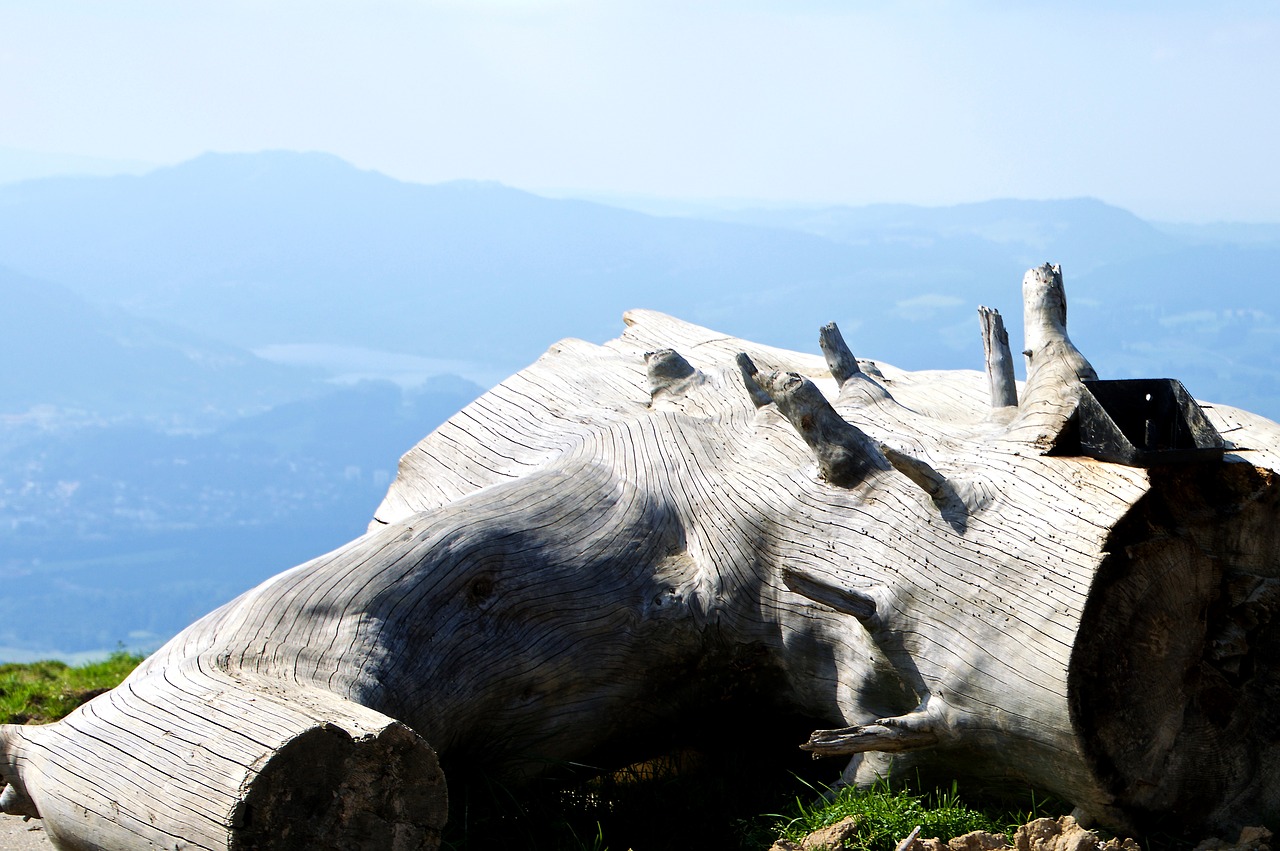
999,360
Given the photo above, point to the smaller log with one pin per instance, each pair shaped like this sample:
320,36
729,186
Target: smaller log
840,360
846,456
227,762
14,801
999,360
931,723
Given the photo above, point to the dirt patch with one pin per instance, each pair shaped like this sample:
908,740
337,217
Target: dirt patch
1045,834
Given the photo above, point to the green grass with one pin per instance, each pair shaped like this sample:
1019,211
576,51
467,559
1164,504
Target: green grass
885,816
40,692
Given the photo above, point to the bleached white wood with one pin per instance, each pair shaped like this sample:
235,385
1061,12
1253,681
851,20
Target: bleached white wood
999,361
552,564
1055,367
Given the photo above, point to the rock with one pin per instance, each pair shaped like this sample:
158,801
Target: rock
1065,834
832,838
978,840
1251,839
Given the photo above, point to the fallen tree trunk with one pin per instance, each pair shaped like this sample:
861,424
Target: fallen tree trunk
568,561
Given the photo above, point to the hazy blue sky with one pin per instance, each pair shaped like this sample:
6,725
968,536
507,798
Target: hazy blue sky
1171,109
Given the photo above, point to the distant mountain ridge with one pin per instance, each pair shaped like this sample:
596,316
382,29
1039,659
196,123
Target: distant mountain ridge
1082,233
17,164
282,248
300,248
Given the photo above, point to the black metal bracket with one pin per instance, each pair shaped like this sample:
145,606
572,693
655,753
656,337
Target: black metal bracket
1144,422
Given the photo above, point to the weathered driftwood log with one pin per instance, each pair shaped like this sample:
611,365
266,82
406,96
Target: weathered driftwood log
565,563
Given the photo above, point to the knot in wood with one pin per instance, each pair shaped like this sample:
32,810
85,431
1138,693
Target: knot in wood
480,590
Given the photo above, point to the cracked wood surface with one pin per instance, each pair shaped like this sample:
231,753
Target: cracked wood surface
576,557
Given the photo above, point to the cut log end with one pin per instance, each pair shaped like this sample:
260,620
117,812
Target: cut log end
1174,673
325,790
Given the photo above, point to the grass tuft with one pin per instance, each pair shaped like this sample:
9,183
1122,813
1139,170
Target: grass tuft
40,692
885,815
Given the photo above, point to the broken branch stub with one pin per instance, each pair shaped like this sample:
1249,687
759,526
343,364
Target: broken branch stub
1055,367
845,454
848,601
879,737
999,360
668,372
840,360
748,370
